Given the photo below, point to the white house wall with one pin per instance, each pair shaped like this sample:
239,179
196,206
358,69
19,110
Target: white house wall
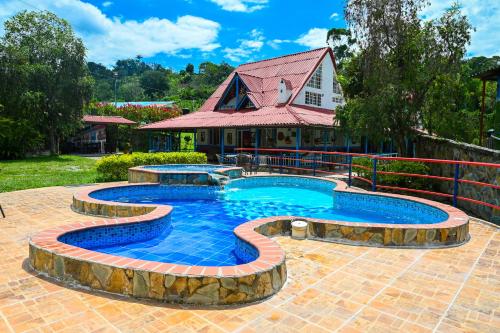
326,87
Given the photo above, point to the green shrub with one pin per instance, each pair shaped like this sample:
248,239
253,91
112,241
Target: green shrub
116,167
394,166
17,138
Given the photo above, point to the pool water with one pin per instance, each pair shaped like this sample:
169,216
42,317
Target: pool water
203,220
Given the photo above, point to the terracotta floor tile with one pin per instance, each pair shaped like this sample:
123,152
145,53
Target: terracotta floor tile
330,286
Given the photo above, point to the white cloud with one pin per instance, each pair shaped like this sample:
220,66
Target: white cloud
246,6
107,3
484,15
335,16
314,38
108,39
246,48
276,43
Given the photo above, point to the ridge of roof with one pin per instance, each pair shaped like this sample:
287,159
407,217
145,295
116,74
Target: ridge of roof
283,56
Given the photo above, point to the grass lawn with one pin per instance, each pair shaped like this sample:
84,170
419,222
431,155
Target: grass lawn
46,171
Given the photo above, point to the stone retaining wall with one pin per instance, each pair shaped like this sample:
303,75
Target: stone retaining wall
439,148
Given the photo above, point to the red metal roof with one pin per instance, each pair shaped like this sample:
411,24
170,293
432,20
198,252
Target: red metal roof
262,80
272,116
107,120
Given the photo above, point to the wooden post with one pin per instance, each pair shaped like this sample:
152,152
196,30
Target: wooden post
481,119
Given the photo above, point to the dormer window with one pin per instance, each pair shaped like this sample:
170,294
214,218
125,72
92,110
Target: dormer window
315,80
235,97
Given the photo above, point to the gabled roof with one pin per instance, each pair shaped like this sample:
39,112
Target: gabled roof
107,120
262,79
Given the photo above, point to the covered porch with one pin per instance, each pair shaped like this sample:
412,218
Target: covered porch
222,144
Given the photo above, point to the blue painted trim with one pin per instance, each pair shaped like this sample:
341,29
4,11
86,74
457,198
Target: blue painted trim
237,78
242,102
224,95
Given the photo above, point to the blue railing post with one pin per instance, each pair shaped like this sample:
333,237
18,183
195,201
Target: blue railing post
314,165
281,163
455,184
374,176
350,171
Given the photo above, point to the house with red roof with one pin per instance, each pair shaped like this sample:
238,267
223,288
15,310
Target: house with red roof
285,102
99,134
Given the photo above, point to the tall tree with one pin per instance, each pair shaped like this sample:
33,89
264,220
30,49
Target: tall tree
400,57
45,61
341,41
154,83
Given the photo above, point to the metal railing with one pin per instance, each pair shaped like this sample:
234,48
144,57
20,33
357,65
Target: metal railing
324,163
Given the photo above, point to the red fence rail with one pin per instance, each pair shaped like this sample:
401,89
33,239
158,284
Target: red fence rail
292,159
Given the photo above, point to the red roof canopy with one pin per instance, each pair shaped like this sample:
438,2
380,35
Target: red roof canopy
262,79
107,120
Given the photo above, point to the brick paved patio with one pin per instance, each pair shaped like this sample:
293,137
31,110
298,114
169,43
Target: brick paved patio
330,287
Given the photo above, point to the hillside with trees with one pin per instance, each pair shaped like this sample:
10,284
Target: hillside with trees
136,80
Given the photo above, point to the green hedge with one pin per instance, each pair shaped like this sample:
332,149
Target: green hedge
395,166
116,167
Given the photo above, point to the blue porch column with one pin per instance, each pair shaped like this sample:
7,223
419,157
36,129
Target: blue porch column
149,141
257,143
325,140
366,145
348,144
195,139
297,147
498,88
222,143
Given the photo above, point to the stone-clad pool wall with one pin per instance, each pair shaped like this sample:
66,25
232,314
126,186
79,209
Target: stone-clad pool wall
210,285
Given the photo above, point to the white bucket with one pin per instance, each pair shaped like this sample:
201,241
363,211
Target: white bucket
299,229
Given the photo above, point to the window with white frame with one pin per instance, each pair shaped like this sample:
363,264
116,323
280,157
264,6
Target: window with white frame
315,80
313,98
338,100
336,86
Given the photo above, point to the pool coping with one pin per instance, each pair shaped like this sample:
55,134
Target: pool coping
50,256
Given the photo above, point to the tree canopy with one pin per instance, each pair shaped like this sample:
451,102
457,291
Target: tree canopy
44,78
397,77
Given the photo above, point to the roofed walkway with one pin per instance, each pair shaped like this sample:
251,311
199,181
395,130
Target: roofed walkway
330,287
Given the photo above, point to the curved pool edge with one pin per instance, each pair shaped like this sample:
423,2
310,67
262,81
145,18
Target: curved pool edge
210,285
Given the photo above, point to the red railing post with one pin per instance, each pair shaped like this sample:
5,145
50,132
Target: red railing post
455,184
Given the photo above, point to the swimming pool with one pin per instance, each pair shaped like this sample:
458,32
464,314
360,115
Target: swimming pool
200,231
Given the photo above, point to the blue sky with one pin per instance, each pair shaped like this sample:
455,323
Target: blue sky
176,32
